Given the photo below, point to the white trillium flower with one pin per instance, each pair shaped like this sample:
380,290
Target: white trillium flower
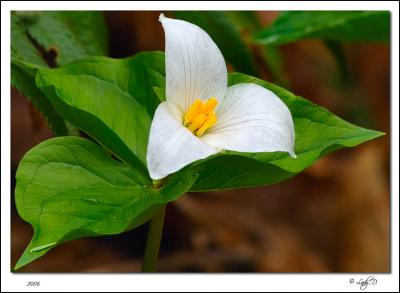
202,115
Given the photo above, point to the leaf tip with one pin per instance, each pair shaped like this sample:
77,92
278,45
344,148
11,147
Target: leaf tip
376,134
20,263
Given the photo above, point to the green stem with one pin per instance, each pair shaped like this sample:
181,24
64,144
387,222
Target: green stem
153,241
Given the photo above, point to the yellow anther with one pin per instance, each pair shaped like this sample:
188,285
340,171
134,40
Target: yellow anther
210,122
197,122
201,116
193,111
209,106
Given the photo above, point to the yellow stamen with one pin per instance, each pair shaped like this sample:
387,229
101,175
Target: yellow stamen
201,116
197,122
210,122
193,111
209,106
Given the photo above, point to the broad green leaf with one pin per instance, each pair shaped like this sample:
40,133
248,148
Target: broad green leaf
68,188
318,132
351,26
24,61
112,100
224,33
72,35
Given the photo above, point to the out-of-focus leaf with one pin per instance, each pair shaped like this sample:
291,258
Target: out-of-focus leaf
24,61
224,33
351,26
22,47
71,35
68,188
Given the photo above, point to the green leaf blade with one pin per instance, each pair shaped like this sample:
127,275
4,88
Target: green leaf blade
68,188
111,100
21,46
350,26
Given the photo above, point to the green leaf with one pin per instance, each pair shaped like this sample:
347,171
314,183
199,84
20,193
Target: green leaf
224,33
350,26
72,35
21,46
112,100
68,188
318,132
24,58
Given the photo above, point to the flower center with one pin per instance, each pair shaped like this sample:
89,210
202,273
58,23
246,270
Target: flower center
201,116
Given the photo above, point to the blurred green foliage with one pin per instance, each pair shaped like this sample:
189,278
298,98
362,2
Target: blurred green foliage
351,26
50,39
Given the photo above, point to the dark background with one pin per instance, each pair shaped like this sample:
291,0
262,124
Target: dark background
333,217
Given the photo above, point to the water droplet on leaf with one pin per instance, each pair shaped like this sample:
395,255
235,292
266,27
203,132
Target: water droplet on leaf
90,200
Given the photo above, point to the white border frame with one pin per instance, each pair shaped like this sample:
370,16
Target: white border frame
193,282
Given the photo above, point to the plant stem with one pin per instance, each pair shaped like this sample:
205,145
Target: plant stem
153,241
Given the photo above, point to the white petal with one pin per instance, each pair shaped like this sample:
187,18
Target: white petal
171,145
252,119
195,67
